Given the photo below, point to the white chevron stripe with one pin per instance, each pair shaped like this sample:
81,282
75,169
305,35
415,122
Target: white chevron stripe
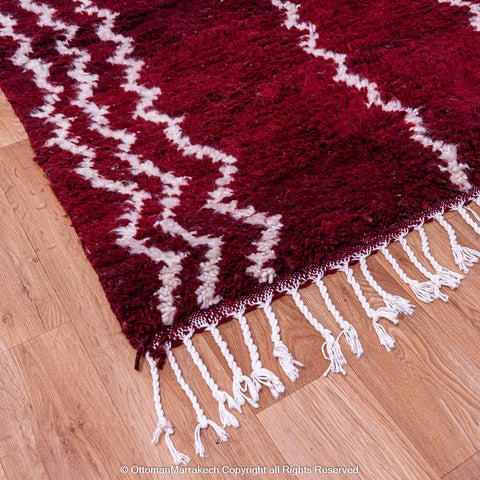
86,83
46,14
473,7
65,140
40,69
272,225
447,152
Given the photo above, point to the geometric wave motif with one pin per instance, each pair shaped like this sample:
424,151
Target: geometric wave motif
213,155
446,151
312,138
218,200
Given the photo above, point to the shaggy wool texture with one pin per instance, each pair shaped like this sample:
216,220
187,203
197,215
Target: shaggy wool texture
213,155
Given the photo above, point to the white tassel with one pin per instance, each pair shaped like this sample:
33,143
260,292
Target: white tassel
374,315
202,425
385,312
166,428
399,305
199,448
395,303
371,313
203,421
334,353
241,383
163,425
348,329
473,212
280,350
287,362
270,380
260,374
447,277
351,336
464,257
385,339
423,291
434,279
227,418
468,219
232,403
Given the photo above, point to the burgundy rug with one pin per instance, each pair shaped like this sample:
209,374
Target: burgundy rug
213,155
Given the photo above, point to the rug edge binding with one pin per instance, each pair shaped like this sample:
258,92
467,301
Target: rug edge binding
246,388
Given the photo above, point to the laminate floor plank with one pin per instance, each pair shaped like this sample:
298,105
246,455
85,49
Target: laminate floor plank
11,130
2,473
354,429
427,383
47,229
29,304
467,470
66,416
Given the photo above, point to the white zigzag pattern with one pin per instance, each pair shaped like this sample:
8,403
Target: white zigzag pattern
446,151
473,7
64,139
271,224
172,185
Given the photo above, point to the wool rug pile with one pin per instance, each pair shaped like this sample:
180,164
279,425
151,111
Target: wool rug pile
215,154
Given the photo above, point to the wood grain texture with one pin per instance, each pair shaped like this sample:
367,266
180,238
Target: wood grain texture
428,383
2,473
11,130
467,470
349,422
24,286
47,229
66,365
58,437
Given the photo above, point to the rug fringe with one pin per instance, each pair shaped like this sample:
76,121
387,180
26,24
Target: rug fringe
395,303
424,291
384,312
260,375
434,279
280,350
348,329
468,219
473,212
221,397
239,379
246,388
203,421
334,353
447,277
163,425
464,257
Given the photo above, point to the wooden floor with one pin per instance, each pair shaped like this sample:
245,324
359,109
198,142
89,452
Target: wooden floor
72,407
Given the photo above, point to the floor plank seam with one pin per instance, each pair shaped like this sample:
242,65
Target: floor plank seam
19,143
460,464
28,340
